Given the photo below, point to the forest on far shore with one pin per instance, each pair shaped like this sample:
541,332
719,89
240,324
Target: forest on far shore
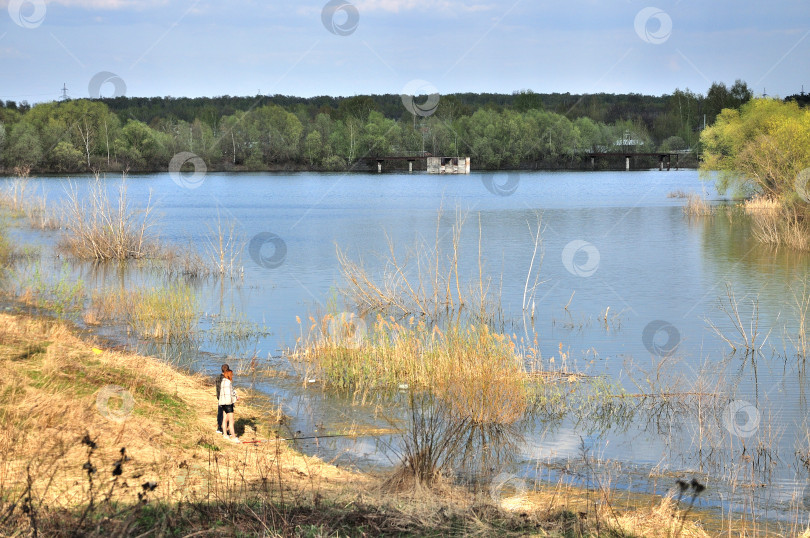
498,131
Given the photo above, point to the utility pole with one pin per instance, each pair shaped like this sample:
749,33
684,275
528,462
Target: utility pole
64,96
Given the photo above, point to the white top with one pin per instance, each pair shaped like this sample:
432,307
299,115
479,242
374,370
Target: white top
226,392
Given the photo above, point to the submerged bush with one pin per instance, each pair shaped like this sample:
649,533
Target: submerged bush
100,228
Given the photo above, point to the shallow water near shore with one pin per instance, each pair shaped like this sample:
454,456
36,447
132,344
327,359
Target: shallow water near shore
641,281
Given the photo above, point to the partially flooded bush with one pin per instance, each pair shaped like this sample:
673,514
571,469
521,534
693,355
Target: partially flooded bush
100,228
466,387
390,354
777,223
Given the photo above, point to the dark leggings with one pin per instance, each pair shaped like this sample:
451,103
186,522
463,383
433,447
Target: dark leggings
220,416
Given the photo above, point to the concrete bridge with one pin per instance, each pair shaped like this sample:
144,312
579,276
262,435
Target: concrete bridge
662,156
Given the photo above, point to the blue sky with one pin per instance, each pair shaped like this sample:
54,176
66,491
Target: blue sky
240,47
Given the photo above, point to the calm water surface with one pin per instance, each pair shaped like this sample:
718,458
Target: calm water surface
610,240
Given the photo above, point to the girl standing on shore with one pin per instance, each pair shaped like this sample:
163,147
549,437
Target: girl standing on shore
227,397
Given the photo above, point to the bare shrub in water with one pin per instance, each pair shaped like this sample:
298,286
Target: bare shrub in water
100,228
13,195
467,389
425,281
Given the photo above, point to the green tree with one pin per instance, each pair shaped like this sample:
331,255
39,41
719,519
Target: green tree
527,100
313,145
760,148
141,147
65,158
25,148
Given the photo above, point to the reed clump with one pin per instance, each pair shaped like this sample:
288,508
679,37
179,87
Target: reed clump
697,206
762,204
467,393
22,201
98,227
61,293
344,354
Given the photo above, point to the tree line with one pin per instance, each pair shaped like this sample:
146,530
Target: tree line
520,130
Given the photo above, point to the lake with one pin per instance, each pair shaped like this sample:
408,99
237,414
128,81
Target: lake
628,290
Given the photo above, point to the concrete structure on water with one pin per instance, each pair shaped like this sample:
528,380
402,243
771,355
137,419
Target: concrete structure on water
433,165
448,165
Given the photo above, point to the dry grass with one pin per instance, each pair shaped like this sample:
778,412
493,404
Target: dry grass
662,521
51,402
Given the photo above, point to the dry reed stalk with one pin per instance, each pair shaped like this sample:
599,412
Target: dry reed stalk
426,281
225,246
762,204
